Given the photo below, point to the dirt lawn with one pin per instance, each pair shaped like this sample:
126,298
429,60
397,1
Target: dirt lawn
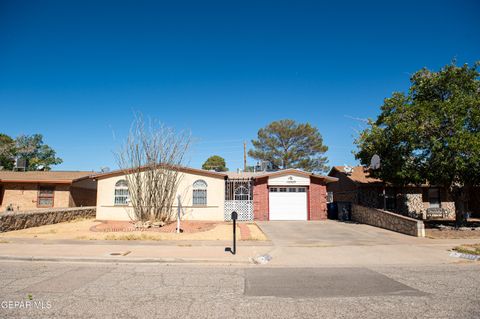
451,234
80,230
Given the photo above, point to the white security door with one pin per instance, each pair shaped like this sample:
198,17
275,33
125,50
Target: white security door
288,203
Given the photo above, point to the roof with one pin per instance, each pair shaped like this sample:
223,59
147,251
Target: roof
183,169
288,171
295,171
52,177
359,174
234,175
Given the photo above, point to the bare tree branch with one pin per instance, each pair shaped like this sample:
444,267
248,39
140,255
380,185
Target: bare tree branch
150,157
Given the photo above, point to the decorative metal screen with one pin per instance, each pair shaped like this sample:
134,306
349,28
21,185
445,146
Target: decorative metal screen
244,209
239,198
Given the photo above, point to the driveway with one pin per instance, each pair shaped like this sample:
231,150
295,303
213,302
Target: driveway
330,233
334,243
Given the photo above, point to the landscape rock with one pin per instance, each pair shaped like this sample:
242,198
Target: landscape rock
20,220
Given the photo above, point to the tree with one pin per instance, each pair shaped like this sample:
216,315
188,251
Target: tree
288,144
7,151
150,158
215,162
430,134
32,148
28,147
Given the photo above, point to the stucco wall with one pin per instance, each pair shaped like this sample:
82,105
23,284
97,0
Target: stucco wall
387,220
19,220
106,210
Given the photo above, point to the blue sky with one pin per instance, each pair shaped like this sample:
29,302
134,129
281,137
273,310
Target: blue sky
75,71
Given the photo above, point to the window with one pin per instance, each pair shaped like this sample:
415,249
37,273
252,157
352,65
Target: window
329,197
200,193
434,197
283,189
242,193
46,196
273,189
292,190
121,192
301,190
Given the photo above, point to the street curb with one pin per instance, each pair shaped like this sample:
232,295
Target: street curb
177,243
128,261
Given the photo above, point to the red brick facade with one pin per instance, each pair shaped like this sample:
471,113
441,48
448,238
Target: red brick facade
260,199
317,199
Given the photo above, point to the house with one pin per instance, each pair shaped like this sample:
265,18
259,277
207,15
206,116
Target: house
356,186
205,195
46,189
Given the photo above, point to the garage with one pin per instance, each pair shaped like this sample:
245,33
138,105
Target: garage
288,203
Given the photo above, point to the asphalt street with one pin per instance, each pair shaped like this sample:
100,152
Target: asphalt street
89,290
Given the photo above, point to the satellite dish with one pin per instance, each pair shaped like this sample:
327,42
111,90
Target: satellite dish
348,169
375,162
105,169
40,167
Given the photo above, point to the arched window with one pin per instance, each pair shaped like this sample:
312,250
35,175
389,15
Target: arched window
121,192
199,193
242,193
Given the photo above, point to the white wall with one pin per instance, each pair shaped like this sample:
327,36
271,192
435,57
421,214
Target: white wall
106,210
291,179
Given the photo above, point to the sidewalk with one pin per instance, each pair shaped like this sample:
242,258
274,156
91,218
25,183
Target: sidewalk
131,251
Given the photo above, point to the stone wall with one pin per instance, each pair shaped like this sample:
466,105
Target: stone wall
387,220
21,220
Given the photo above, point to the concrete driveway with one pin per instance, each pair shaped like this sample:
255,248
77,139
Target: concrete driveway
333,243
330,233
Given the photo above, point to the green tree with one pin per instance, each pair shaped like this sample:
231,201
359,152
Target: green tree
7,151
288,144
215,162
36,152
431,134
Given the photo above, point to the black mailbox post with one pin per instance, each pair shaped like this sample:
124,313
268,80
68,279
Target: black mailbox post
234,219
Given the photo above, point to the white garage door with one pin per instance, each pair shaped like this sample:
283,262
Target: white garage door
288,203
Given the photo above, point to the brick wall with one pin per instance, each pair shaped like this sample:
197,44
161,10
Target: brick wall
260,199
21,196
317,199
24,196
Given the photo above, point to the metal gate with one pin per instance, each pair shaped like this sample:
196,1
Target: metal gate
239,198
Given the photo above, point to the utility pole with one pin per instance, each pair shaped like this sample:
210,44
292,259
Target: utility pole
244,156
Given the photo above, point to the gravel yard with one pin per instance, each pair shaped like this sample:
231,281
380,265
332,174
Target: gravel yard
91,229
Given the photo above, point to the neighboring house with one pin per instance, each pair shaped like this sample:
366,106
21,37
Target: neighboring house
355,185
205,195
46,189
